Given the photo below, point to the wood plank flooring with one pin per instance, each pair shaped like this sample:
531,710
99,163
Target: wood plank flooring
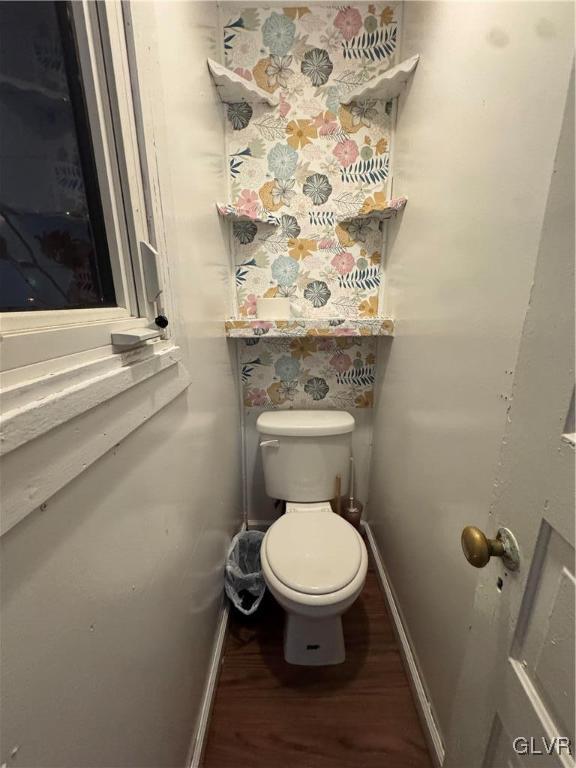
359,714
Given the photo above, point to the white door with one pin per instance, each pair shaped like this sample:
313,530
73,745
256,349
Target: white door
516,690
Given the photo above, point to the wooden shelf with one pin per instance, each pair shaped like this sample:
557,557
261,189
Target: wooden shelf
386,86
229,211
232,88
250,328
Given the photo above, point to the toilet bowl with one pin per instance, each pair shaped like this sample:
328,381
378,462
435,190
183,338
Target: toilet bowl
314,563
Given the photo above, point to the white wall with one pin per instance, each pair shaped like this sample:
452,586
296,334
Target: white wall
110,594
475,143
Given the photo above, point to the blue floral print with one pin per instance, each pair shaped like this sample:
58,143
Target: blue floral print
278,33
284,270
287,368
282,161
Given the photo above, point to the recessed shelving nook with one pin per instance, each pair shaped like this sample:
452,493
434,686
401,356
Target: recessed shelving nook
307,97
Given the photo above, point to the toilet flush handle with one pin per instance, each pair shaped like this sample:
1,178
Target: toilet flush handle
269,443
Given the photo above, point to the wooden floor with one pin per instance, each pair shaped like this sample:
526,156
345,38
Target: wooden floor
360,714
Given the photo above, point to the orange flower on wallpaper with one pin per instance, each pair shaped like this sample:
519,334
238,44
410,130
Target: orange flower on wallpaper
387,15
369,307
300,247
300,132
265,194
382,146
365,400
261,76
301,348
296,13
375,203
343,236
347,120
275,395
375,258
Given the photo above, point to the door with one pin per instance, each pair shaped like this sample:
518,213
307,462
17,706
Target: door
515,700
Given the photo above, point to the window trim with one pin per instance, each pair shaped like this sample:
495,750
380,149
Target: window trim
103,58
68,395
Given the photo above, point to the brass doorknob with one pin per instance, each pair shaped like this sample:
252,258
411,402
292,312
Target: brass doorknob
477,548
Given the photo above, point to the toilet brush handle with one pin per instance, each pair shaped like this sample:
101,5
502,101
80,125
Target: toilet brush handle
351,490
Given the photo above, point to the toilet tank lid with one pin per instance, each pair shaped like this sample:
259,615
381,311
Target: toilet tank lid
305,423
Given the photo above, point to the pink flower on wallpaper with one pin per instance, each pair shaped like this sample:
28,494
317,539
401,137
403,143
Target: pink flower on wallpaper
343,262
248,203
325,123
346,152
326,243
341,362
245,73
256,396
348,21
284,107
249,306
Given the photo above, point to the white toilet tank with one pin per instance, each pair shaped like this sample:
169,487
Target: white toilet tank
303,451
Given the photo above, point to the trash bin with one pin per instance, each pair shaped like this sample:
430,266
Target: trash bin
244,581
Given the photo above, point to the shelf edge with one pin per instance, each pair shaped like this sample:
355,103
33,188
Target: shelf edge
225,80
387,85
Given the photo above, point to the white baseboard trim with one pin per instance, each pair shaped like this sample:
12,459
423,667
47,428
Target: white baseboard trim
198,743
431,731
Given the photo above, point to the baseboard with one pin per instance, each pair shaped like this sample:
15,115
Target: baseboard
429,725
198,743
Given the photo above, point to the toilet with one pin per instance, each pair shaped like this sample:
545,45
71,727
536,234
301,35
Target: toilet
314,562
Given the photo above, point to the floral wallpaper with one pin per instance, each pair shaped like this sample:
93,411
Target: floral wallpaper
312,162
308,372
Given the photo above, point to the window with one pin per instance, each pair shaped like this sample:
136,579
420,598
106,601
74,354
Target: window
81,221
53,247
73,211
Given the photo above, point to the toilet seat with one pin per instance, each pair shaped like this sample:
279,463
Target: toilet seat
317,553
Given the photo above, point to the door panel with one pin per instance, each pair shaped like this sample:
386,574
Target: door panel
515,700
544,643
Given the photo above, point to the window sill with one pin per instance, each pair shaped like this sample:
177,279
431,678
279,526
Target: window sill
52,429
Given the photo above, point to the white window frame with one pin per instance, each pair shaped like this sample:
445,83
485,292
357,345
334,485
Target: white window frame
32,337
58,366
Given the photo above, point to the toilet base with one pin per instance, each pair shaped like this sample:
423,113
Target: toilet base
313,642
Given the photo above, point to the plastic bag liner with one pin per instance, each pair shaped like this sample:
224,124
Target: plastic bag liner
244,582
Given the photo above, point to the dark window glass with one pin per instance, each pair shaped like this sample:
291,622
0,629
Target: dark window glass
53,251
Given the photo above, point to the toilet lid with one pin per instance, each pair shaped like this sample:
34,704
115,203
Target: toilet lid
313,552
